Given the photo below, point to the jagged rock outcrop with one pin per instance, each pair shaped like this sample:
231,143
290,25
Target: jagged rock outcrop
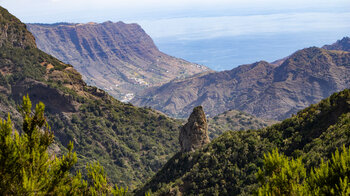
194,134
228,165
116,57
343,44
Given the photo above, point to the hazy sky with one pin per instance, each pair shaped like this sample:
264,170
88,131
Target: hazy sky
50,11
193,19
177,25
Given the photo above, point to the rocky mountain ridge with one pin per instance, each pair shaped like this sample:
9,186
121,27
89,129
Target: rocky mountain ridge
117,57
343,44
266,90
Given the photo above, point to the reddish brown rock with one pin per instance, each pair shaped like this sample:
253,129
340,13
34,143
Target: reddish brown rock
194,134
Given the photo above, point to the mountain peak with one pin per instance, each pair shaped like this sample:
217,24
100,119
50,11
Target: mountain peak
345,39
343,44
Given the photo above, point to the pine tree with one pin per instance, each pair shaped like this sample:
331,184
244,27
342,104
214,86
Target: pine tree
332,177
25,165
26,168
283,176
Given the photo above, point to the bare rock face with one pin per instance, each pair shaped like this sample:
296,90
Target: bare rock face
194,134
116,57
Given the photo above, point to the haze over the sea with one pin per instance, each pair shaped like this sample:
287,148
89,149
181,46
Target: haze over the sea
221,34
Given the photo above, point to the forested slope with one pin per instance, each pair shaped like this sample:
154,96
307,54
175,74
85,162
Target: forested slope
228,165
130,142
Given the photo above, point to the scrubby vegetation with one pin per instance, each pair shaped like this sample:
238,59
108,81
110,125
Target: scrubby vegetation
234,120
227,166
131,143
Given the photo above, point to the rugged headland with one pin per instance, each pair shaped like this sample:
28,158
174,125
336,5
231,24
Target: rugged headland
116,57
